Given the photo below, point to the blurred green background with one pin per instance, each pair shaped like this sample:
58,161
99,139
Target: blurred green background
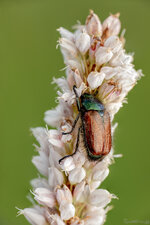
28,61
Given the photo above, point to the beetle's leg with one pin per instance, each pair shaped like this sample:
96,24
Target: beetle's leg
73,126
77,97
77,145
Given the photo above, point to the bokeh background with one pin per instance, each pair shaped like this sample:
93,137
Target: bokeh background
28,61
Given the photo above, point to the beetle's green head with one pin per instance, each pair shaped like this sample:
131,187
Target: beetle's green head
89,102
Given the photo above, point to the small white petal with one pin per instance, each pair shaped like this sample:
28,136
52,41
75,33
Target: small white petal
77,175
41,163
100,198
83,42
55,177
45,197
33,216
67,211
103,55
113,43
39,182
95,79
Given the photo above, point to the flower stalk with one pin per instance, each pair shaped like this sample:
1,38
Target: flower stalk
68,191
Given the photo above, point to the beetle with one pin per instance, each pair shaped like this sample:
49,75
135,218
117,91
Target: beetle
95,127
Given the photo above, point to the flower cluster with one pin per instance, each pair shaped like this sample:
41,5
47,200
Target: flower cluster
96,63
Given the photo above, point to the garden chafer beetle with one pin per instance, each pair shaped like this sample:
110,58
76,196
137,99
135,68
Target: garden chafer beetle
95,127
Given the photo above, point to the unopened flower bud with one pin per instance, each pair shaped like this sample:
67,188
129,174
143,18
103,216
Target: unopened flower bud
100,198
103,55
33,216
67,164
45,197
65,33
114,43
83,42
95,79
67,211
93,25
112,25
64,195
77,175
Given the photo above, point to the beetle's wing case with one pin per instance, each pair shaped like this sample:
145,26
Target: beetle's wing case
97,133
96,127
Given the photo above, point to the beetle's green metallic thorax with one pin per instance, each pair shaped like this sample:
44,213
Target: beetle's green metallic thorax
88,102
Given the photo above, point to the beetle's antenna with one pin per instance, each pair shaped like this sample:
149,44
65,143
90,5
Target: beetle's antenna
77,97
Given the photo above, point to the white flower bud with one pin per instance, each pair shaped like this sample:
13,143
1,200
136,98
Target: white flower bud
55,177
83,42
67,164
41,163
100,175
95,216
79,188
100,198
39,182
112,25
93,25
67,211
103,55
33,216
95,79
110,71
54,116
54,137
75,64
54,157
40,134
45,197
66,33
120,59
68,48
63,195
77,175
93,185
113,43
